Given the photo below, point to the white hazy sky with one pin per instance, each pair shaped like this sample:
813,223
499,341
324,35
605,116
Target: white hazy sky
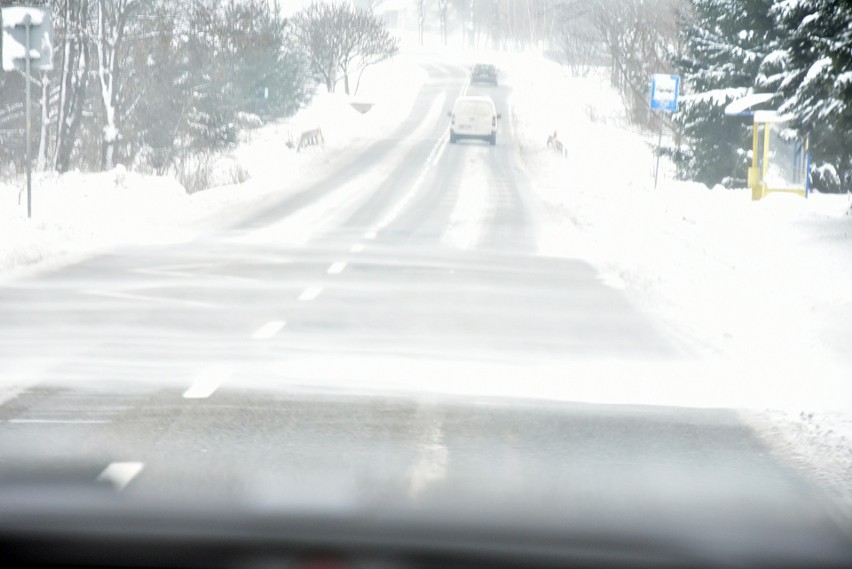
291,6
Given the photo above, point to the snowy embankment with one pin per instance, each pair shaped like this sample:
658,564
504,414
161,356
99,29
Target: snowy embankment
764,288
79,214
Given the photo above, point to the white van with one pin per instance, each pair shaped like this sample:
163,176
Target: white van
474,117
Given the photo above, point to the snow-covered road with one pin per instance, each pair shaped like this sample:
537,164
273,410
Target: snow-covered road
758,292
400,263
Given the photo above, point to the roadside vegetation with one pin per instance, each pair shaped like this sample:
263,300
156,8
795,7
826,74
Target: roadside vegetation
155,85
159,85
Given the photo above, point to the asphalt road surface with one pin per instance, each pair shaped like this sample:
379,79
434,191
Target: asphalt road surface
218,364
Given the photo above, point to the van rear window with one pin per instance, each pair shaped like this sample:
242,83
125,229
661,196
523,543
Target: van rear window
473,108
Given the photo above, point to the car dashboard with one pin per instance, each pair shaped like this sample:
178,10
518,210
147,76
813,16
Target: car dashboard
80,528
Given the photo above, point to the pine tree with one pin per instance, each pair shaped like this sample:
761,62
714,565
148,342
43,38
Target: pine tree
724,43
811,68
267,76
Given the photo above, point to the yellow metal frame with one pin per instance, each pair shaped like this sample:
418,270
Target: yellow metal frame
755,177
757,172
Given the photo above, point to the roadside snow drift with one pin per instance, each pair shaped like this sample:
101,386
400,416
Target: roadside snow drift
735,276
79,214
760,292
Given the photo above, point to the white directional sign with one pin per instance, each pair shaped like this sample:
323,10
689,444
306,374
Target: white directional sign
664,90
18,22
26,44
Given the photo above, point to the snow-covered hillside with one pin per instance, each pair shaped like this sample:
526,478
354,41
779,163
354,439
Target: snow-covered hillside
762,286
744,276
79,214
757,292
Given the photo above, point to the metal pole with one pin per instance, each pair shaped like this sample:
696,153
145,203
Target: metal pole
659,146
28,27
807,165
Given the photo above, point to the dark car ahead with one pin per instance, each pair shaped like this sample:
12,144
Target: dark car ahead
484,73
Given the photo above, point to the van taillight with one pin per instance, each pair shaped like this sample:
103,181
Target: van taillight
494,121
453,119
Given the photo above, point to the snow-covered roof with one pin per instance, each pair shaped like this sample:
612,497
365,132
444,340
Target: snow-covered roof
742,104
715,97
769,116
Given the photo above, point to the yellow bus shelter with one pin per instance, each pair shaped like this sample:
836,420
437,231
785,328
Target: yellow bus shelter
780,158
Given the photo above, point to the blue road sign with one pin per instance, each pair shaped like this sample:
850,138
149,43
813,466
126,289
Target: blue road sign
664,90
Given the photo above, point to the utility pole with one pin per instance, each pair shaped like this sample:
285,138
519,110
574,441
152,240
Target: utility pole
659,150
28,23
472,25
22,27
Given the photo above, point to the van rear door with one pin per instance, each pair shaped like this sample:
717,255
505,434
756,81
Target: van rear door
474,118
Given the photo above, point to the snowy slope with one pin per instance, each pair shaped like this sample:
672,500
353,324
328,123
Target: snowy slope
763,290
740,277
78,214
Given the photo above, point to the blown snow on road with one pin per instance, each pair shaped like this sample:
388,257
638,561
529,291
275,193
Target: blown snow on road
759,289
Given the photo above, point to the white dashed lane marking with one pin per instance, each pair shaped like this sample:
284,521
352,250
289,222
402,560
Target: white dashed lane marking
401,205
336,268
57,421
310,293
269,329
120,474
207,382
145,298
357,248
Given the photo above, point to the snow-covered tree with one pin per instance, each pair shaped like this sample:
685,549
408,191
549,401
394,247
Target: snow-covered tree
11,123
163,78
210,61
341,40
575,39
110,27
443,9
72,67
422,9
811,68
638,37
364,41
723,43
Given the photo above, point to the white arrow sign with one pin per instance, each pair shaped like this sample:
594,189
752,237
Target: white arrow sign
16,19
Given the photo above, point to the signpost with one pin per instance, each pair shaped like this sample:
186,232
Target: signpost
664,91
27,45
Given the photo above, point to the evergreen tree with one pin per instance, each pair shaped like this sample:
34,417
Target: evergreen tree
212,60
266,75
724,43
811,68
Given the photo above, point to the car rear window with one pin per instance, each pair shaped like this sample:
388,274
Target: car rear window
474,107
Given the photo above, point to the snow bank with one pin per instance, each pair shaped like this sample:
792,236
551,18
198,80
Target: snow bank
762,288
819,444
387,89
79,214
390,87
84,213
739,277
